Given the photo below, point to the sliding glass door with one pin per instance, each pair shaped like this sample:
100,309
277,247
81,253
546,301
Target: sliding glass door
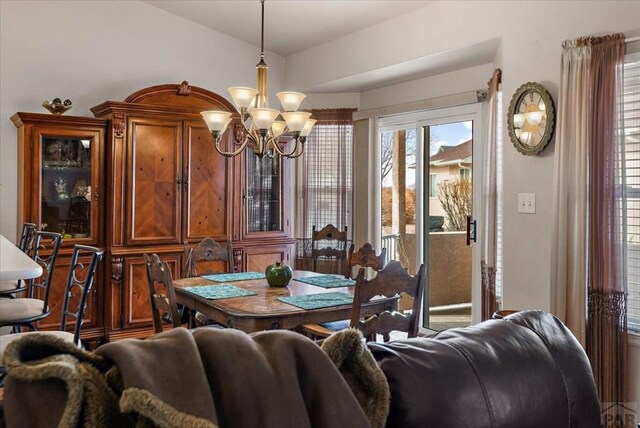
429,169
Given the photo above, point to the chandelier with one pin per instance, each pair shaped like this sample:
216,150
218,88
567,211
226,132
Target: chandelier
262,126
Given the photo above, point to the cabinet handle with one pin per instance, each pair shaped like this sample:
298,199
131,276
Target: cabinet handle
186,184
179,181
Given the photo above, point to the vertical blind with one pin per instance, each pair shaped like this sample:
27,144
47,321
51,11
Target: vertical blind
631,128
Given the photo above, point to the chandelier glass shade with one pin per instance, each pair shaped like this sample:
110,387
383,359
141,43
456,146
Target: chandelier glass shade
261,126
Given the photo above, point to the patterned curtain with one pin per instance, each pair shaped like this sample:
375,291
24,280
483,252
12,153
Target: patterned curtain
489,204
325,179
588,248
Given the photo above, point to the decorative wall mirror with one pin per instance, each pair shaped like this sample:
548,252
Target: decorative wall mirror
531,118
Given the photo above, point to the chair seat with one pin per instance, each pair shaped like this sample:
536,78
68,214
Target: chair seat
6,286
337,325
19,309
322,331
6,339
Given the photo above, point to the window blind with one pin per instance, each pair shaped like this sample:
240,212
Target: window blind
631,128
326,173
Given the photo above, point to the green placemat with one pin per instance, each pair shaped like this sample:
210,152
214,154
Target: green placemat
317,301
230,277
216,292
327,281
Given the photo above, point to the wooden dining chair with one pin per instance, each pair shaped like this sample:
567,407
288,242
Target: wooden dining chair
9,288
211,255
329,246
79,282
25,311
164,305
391,281
207,250
365,257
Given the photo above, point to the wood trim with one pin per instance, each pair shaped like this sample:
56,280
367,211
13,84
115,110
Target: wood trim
21,118
179,90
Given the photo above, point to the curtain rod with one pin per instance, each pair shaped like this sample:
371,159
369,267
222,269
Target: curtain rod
469,97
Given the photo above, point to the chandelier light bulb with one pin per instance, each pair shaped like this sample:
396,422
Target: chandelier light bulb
277,128
296,120
242,97
263,117
217,121
290,100
307,127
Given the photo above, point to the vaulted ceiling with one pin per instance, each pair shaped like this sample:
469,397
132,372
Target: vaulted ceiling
290,25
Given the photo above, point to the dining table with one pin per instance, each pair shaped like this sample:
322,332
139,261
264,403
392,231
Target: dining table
14,264
262,310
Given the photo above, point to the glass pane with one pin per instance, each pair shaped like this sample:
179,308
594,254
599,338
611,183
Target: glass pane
449,256
398,173
66,186
263,193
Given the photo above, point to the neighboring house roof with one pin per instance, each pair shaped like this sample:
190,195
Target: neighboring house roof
451,155
448,155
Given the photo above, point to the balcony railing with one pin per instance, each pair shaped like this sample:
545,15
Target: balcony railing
390,242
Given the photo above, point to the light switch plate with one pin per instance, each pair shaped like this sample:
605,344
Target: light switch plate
527,203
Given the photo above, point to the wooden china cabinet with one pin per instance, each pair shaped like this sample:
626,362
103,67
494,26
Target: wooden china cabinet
165,185
60,188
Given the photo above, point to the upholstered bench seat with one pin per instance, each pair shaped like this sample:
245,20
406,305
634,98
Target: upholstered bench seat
13,309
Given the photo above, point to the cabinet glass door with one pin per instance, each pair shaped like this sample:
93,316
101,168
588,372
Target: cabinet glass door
263,193
67,186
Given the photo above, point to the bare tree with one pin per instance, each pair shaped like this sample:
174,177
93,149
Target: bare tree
386,145
386,152
455,198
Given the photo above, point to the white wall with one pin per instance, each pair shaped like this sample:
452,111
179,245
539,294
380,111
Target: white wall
93,51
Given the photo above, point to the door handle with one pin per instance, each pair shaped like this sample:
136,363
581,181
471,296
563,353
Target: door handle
471,222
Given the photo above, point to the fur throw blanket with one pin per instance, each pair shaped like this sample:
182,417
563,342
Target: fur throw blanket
205,378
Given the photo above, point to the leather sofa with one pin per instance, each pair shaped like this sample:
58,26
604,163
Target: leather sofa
526,370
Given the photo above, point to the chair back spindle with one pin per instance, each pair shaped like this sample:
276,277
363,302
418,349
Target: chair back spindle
163,306
45,252
329,244
26,237
207,250
83,285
